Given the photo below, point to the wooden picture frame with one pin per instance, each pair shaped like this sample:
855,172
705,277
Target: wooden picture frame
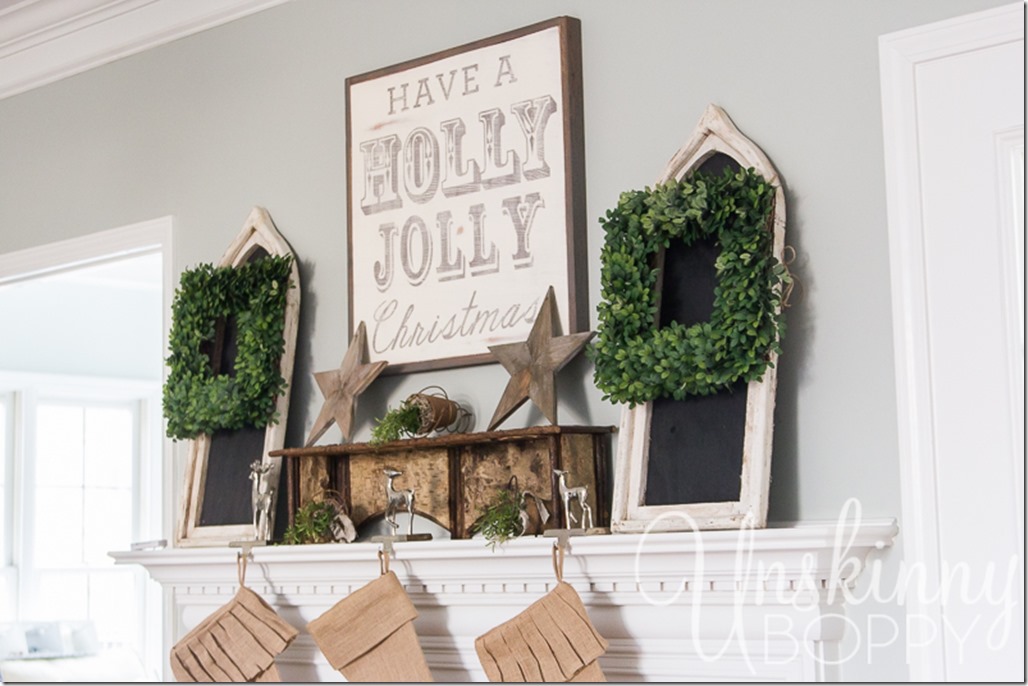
216,499
714,136
466,196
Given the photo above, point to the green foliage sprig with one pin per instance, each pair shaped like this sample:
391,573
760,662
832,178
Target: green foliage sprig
501,520
635,360
198,401
312,523
400,421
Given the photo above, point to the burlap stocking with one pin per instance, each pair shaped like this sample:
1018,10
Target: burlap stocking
551,640
369,635
238,642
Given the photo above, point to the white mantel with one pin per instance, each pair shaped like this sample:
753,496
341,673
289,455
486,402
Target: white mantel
761,604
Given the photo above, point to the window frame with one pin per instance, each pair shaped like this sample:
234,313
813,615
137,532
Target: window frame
10,401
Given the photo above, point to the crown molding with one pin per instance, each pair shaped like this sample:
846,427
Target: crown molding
43,41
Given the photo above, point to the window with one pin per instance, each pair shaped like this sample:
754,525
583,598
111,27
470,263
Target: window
83,477
81,463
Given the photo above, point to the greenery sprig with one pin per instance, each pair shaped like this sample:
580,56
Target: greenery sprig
312,523
198,401
397,422
501,519
635,360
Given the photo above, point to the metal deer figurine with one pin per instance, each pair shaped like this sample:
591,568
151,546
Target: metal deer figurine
577,493
395,500
260,498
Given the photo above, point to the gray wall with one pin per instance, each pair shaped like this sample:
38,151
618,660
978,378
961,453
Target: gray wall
253,113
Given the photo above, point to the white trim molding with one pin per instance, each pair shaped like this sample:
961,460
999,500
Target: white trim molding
1010,175
42,41
763,604
102,246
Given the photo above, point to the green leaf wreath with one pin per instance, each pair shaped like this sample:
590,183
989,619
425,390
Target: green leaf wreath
635,360
198,401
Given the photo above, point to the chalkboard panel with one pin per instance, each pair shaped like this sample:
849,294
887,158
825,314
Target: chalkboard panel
226,497
696,444
696,449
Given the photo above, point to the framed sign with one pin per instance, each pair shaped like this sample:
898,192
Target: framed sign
466,197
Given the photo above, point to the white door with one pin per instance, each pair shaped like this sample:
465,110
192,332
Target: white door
953,111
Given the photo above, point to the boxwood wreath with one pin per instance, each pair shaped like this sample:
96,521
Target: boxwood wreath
635,360
198,401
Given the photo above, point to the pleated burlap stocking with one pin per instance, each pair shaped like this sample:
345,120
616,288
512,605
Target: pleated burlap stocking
369,635
238,642
551,640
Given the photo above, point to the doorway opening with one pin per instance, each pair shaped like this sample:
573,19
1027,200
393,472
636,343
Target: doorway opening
82,451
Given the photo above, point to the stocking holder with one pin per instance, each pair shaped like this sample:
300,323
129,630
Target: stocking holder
244,555
387,551
246,547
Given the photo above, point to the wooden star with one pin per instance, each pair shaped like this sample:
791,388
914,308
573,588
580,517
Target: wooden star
342,386
533,364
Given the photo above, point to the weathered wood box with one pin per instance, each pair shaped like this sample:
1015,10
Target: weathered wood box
455,476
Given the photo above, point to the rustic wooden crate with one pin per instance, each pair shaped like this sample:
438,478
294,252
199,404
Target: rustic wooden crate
455,475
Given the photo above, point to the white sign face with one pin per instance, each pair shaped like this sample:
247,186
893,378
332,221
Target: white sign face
460,198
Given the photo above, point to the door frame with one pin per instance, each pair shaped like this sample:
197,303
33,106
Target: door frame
900,55
96,248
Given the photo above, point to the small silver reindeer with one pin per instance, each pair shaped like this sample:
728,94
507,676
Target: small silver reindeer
260,498
395,500
577,493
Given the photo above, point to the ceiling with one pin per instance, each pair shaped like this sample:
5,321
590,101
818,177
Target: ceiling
42,41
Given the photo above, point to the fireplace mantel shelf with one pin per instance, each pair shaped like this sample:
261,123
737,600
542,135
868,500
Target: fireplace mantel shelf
642,591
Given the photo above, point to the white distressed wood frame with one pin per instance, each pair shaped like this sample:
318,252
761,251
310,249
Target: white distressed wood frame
715,133
258,232
900,55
